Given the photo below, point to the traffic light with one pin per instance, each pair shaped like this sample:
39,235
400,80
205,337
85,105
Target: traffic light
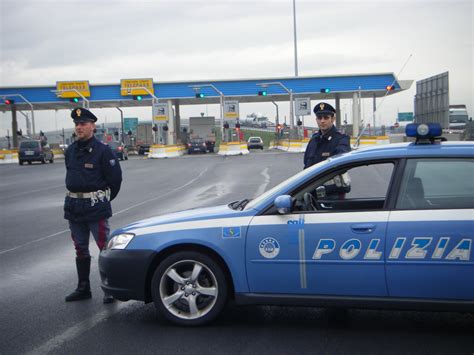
137,97
325,90
262,93
200,95
74,99
237,125
278,127
9,101
389,87
155,128
226,125
299,123
165,128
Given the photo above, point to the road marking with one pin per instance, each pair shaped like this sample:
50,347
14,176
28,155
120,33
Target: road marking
76,330
33,191
115,214
263,186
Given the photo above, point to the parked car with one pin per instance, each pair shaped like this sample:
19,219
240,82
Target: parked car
119,149
389,226
144,149
197,145
255,143
34,150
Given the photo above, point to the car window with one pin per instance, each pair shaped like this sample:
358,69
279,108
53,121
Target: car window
363,187
29,145
437,183
113,145
255,140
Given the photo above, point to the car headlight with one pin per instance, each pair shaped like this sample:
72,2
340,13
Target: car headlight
120,241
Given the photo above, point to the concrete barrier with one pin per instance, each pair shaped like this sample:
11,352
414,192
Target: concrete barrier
8,156
58,154
293,145
233,148
371,140
159,151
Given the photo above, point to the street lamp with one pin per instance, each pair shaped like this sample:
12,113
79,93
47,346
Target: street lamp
85,101
289,91
221,94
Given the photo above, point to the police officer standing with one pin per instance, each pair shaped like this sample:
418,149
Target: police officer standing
328,141
93,179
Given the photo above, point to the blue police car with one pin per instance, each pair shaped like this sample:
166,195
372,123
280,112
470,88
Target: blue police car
384,227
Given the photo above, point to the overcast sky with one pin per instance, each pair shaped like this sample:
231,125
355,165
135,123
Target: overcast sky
104,41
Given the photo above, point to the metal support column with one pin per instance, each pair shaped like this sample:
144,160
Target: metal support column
355,115
338,111
170,134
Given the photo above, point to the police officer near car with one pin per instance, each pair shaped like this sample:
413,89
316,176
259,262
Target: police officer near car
328,141
93,179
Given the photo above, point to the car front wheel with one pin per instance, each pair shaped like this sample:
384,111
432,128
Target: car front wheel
189,288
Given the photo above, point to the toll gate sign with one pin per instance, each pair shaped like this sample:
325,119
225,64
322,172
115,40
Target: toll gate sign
70,89
132,87
302,106
231,110
160,112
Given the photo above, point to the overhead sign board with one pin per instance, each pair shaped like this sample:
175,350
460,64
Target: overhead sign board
130,87
130,124
405,117
302,106
70,89
160,112
231,110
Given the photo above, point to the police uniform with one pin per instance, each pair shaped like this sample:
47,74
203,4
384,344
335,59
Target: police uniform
322,146
93,179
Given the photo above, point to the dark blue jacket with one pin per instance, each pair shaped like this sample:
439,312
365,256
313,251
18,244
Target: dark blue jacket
90,166
321,147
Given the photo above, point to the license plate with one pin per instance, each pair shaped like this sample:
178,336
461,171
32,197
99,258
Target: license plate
29,152
197,149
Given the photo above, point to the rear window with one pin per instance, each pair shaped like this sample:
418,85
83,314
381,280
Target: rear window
254,140
29,145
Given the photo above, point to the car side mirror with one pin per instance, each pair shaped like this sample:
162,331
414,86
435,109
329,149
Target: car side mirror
321,192
283,204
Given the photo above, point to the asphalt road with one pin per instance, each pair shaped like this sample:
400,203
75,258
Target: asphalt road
37,271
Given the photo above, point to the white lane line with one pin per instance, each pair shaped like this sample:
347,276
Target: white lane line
115,214
263,186
76,330
33,191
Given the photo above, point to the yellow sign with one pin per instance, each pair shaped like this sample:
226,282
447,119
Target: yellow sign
68,89
129,87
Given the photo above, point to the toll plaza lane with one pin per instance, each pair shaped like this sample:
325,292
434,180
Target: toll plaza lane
37,271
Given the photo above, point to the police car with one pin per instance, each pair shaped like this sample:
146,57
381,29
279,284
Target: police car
383,227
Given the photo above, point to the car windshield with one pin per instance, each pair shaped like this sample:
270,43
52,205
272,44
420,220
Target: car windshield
196,140
113,145
29,144
289,181
254,140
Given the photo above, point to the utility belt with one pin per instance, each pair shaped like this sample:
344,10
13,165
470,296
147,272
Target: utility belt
94,196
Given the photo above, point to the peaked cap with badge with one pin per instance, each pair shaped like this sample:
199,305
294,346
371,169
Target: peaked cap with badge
324,108
80,114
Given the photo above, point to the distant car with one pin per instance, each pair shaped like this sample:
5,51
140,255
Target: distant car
255,143
35,150
390,226
197,145
144,149
119,149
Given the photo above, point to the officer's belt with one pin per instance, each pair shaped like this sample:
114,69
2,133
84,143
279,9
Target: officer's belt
100,194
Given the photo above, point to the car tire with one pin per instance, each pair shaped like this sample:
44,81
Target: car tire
51,161
20,162
30,162
126,157
43,160
189,288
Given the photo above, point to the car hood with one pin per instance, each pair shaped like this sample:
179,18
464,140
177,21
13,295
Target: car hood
198,214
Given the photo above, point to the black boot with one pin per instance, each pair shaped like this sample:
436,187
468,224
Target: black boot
83,290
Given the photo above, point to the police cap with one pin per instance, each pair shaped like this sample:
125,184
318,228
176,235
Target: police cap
324,108
80,114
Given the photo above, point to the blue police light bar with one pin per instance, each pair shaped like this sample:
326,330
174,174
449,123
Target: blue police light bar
423,130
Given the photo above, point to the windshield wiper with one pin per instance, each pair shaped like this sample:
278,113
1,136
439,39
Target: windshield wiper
241,205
